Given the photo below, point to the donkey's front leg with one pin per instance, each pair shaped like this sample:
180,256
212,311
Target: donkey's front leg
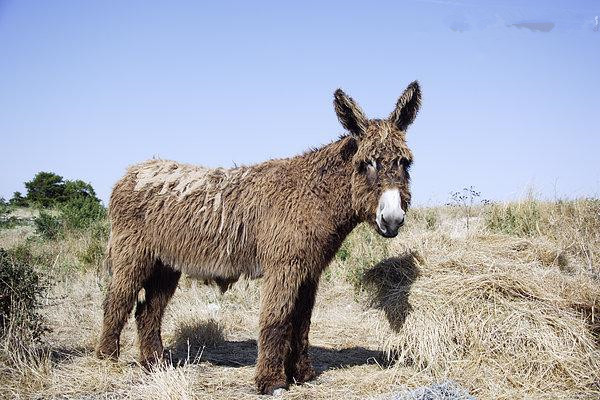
279,292
299,366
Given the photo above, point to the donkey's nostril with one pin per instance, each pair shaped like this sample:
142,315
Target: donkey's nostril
383,221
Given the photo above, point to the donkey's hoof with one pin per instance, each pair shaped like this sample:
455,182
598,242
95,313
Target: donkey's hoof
272,388
305,376
276,390
304,372
111,354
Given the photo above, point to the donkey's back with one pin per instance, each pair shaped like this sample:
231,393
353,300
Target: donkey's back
185,216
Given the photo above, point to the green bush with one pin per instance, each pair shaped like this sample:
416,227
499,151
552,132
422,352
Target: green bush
21,290
77,214
81,212
78,188
47,225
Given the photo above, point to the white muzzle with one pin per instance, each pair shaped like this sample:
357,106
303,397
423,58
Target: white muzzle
390,215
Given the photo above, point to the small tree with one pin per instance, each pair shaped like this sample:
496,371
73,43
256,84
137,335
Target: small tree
45,189
78,188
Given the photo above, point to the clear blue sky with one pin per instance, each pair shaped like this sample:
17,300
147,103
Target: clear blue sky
90,87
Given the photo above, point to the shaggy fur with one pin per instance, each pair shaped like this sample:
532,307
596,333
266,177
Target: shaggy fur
282,220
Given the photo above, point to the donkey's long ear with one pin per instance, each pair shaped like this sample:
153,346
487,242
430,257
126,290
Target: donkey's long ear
407,107
349,113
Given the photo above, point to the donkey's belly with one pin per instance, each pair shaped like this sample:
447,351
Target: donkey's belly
212,270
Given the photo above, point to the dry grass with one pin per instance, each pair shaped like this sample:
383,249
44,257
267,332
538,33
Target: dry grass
571,226
506,315
502,326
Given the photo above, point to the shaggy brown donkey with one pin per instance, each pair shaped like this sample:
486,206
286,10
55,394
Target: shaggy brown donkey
282,220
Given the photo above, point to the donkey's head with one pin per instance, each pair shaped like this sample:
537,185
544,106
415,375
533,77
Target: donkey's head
380,179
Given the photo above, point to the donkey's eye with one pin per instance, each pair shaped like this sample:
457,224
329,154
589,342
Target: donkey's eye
371,170
371,167
401,162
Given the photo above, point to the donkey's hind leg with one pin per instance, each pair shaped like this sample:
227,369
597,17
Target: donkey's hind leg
159,288
129,273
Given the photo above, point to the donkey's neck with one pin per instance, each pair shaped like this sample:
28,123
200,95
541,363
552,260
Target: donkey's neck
327,174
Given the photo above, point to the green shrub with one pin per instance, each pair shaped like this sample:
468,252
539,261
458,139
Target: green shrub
78,188
47,225
7,221
518,219
21,289
24,253
81,212
77,214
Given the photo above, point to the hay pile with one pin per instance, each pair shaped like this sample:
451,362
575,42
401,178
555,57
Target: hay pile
505,317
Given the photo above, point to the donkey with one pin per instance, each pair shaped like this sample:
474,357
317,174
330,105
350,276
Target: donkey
282,220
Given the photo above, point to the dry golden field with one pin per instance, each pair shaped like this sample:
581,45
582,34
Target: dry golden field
507,308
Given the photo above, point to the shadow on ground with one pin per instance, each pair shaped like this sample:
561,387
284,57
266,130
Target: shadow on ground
389,283
243,353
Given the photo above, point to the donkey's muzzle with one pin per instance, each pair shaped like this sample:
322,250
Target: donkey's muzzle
390,215
389,229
